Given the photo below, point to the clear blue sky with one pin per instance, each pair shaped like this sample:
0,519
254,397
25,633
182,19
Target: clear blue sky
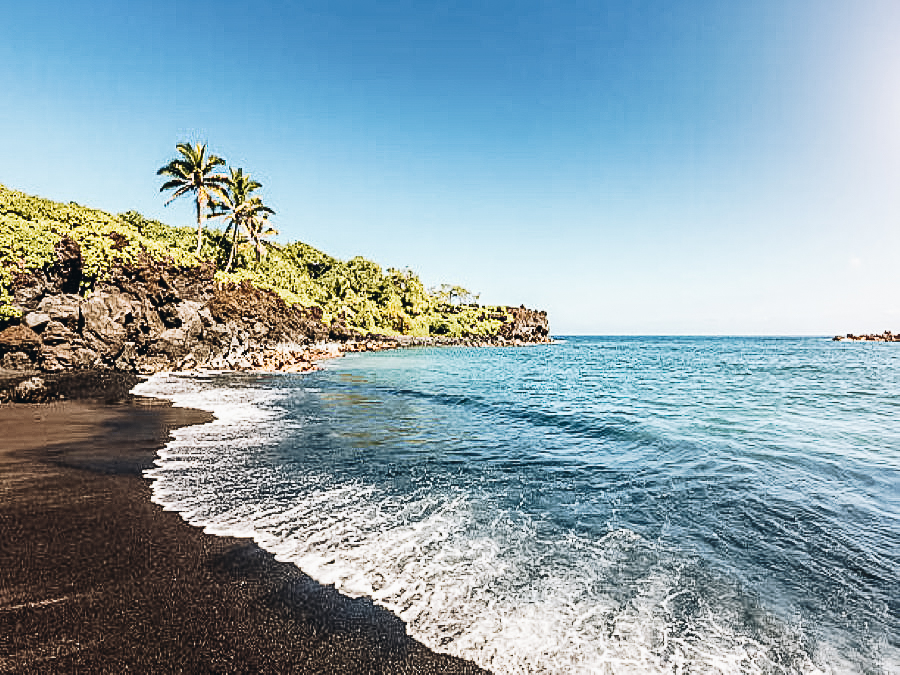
633,167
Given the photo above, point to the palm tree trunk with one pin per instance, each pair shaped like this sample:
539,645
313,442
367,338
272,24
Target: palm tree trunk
233,246
201,207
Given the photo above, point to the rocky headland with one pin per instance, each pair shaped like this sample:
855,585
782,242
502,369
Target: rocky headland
154,316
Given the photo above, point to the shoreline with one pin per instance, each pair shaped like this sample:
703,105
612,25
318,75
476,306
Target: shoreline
94,576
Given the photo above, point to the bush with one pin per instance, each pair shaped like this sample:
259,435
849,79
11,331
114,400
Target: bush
357,290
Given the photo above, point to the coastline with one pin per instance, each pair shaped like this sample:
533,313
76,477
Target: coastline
96,577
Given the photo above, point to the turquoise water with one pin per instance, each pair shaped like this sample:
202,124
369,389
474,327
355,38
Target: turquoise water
598,505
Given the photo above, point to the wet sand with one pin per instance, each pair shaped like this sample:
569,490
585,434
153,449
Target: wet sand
94,577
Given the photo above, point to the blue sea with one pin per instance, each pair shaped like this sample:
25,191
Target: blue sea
599,505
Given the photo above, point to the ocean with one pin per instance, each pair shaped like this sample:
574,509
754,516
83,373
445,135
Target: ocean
599,505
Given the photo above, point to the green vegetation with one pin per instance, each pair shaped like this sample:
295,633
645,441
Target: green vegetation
358,290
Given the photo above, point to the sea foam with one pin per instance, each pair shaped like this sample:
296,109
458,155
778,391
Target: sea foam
497,586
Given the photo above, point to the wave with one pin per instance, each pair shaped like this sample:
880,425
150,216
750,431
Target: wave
468,573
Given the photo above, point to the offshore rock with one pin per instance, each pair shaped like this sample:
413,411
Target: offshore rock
886,336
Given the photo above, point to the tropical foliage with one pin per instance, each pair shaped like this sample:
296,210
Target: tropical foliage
357,290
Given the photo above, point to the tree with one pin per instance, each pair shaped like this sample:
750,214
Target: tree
194,172
243,211
256,226
446,293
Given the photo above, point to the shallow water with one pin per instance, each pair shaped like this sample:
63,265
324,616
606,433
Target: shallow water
601,505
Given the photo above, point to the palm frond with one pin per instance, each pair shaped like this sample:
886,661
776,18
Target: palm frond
178,193
171,184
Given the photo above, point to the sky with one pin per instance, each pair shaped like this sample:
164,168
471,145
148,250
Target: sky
700,168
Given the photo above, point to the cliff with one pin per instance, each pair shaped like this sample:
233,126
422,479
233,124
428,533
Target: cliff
152,316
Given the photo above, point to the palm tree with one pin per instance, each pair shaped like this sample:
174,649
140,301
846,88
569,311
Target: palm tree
244,211
256,226
194,172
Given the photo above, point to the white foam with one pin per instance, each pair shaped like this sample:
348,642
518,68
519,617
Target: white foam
467,580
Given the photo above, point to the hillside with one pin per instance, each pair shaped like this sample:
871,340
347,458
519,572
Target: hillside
391,302
85,289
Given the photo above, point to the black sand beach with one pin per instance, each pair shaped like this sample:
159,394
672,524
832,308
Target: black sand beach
94,577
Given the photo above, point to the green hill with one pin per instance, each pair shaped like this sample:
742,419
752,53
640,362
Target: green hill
374,300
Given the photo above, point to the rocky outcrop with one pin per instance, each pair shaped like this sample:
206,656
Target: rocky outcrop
152,316
886,336
68,269
527,325
32,390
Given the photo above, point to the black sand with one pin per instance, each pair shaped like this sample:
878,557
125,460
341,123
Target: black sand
96,578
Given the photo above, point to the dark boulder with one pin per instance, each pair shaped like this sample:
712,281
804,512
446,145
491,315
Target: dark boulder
106,317
19,339
32,390
56,333
17,361
69,265
29,290
64,308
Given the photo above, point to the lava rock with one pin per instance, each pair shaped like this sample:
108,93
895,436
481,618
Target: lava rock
63,308
69,265
37,320
19,339
17,361
32,390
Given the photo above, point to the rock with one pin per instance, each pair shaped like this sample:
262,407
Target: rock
206,317
527,325
30,391
173,343
28,297
19,339
37,320
107,316
57,333
189,362
169,315
149,324
86,358
128,357
17,361
63,308
69,264
191,320
341,332
56,358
